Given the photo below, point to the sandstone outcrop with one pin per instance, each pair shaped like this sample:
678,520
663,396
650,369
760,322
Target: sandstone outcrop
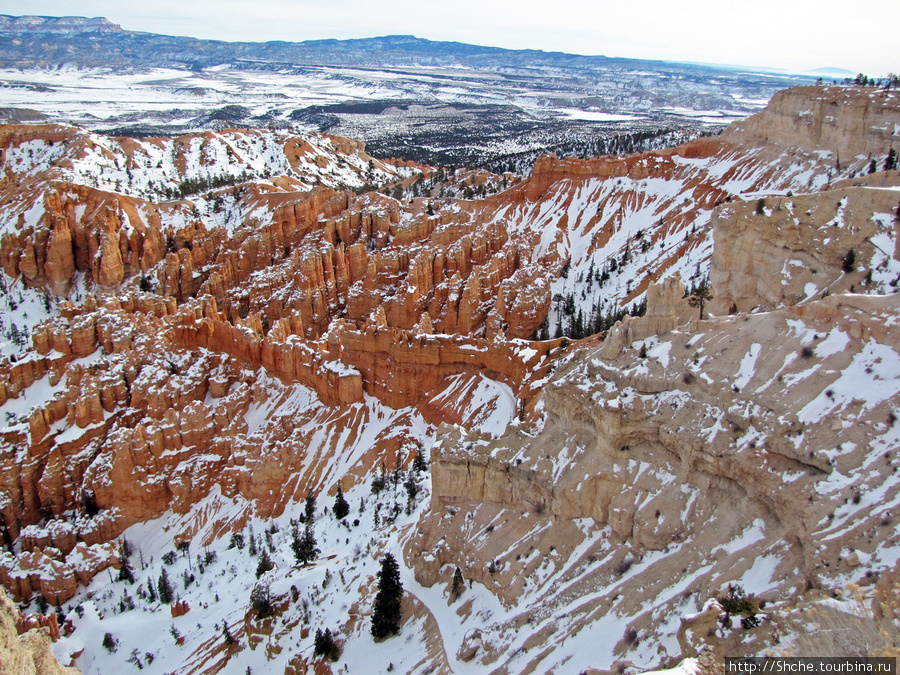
26,652
686,452
846,121
787,250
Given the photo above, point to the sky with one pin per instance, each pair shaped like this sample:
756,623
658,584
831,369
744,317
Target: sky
793,35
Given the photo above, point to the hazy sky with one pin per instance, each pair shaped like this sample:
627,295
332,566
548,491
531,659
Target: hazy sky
790,34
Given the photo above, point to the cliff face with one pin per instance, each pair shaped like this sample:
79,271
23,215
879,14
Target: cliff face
784,251
849,122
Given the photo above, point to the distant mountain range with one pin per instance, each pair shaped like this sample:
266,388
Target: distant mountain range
99,42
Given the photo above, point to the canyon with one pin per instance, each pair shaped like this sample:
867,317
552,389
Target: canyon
224,323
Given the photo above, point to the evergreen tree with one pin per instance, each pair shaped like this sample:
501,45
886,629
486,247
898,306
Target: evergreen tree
151,591
341,507
261,600
700,297
891,162
126,571
324,645
386,612
229,638
265,563
419,463
164,588
304,547
310,507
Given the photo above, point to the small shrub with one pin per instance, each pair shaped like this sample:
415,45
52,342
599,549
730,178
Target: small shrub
631,636
849,262
807,352
749,622
625,565
110,643
736,601
760,207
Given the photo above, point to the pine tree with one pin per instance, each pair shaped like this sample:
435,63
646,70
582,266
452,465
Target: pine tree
419,463
700,297
261,600
304,547
126,571
151,591
341,507
891,162
324,645
164,588
310,507
386,612
229,638
265,563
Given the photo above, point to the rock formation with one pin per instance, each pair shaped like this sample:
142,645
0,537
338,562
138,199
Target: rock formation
26,651
251,341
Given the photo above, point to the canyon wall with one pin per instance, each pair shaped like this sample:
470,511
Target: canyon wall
847,122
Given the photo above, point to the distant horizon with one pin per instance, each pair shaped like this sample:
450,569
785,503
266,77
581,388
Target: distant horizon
802,40
811,72
762,69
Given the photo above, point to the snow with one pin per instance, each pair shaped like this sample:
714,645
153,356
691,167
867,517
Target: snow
872,377
760,577
632,212
661,353
488,406
748,366
595,116
689,666
348,561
